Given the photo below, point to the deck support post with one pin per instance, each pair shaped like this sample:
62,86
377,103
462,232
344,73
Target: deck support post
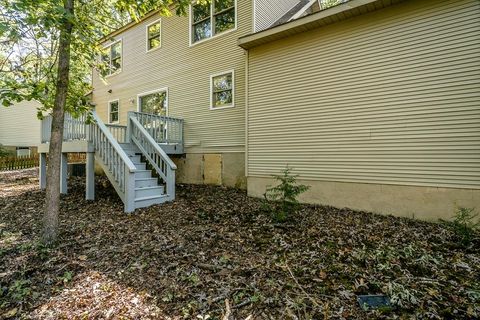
129,190
170,184
90,173
63,173
43,171
128,134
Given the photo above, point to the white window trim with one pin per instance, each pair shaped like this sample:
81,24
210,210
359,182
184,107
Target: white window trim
233,90
121,58
146,35
110,111
165,89
190,27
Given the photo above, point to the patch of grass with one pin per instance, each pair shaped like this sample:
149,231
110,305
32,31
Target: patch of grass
19,290
402,296
67,277
43,251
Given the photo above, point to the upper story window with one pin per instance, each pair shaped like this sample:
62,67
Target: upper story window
222,90
154,37
212,18
112,58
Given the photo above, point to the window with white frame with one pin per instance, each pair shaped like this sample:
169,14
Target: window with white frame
212,18
154,38
113,111
112,58
154,102
222,90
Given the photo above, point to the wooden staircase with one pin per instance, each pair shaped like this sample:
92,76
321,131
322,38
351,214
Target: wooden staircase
149,189
132,156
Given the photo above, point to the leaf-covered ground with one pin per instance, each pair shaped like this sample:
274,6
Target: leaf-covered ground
215,246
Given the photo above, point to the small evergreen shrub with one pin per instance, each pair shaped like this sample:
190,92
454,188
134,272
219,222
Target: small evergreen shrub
281,200
465,224
3,152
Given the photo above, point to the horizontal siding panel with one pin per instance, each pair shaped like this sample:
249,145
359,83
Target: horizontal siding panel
19,125
389,97
436,103
186,71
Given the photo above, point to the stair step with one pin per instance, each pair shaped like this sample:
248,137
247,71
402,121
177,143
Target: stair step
146,182
129,149
131,153
128,146
141,165
125,145
149,201
143,174
149,191
135,158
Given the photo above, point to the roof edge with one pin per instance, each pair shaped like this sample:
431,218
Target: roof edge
127,26
298,25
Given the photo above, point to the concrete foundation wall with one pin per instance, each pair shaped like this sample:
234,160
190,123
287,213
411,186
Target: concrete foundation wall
425,203
226,169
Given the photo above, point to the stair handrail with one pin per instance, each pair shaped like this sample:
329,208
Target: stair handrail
118,167
172,131
128,162
155,155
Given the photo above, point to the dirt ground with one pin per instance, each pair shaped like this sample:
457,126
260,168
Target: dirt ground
214,253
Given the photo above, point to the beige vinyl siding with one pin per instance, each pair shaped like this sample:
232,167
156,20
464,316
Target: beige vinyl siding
19,125
391,97
185,70
269,11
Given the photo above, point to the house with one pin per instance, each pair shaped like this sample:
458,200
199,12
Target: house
374,103
179,61
20,128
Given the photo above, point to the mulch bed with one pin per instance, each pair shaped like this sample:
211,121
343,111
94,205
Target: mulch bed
214,253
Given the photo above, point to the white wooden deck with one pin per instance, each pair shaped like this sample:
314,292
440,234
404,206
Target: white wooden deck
134,157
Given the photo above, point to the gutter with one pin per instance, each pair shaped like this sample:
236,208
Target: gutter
306,23
127,26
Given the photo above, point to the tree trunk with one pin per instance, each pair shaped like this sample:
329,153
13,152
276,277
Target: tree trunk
52,198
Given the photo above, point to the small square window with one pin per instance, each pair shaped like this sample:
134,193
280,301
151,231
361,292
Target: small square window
154,37
222,90
113,111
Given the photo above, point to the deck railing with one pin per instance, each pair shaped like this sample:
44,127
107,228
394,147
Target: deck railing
119,167
74,128
146,131
119,132
162,129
